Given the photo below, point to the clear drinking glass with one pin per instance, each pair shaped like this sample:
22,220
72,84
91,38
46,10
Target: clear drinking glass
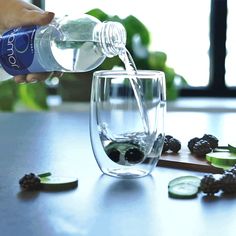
127,121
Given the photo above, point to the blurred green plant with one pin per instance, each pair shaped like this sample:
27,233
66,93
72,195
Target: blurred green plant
31,96
138,41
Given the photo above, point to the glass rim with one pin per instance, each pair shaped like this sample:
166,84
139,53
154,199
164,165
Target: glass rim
118,73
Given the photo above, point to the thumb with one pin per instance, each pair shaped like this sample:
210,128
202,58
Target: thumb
35,17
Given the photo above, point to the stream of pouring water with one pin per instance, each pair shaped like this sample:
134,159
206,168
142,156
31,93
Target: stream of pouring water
137,86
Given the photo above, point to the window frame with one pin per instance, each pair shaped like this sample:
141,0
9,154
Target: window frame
39,3
217,54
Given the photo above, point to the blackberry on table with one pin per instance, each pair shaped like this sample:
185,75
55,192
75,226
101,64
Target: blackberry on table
165,146
209,184
228,182
232,170
211,139
192,142
30,182
174,145
171,143
201,148
168,137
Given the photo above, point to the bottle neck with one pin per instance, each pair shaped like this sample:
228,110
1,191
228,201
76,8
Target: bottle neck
111,37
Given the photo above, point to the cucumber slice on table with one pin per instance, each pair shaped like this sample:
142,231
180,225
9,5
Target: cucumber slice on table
184,187
221,159
52,183
188,179
183,191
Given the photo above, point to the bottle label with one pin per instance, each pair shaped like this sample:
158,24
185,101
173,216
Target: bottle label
17,50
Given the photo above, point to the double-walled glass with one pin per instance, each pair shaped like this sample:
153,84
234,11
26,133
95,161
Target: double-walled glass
127,121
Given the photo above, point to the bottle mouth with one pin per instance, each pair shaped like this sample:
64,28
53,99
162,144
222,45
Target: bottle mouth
112,38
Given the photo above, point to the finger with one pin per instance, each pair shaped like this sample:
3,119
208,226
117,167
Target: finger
20,79
57,74
35,17
27,17
31,78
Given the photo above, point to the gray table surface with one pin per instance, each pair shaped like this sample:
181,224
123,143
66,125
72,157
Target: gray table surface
101,205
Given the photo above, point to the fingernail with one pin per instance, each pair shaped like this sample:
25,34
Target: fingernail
49,13
33,81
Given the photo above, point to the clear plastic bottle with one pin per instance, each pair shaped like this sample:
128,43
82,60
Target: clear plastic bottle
66,44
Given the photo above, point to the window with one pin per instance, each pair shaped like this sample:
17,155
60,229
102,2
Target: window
183,35
230,76
191,33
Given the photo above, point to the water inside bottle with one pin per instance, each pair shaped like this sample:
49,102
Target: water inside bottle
77,56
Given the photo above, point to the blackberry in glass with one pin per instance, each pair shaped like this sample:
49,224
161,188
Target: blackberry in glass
114,155
134,155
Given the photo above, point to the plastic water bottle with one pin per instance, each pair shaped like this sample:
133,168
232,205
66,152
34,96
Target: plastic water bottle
66,44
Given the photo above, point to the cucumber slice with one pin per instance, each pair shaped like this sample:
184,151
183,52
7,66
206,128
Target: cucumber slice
56,183
189,179
231,148
183,191
221,149
225,159
184,187
224,167
44,174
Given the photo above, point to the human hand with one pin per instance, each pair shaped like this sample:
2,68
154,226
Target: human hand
16,13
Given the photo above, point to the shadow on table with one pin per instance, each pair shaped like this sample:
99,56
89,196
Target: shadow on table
27,195
219,197
124,189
